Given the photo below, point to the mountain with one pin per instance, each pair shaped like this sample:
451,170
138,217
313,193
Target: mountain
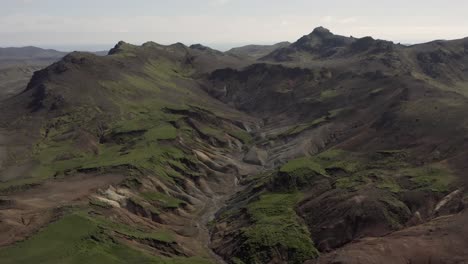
256,51
17,65
327,150
322,44
28,55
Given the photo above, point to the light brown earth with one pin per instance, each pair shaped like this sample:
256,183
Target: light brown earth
25,212
442,240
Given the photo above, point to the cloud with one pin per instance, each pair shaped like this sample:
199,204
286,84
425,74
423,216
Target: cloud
18,29
348,20
220,2
338,20
327,19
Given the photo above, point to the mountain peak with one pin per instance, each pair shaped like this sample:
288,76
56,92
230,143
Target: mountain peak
321,31
118,47
199,47
320,38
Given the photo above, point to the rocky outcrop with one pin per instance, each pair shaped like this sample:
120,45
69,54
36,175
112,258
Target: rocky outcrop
256,156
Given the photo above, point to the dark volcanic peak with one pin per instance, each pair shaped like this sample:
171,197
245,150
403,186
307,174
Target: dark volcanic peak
320,39
203,48
321,31
77,60
151,44
124,47
178,45
206,50
77,54
119,47
199,47
371,44
321,43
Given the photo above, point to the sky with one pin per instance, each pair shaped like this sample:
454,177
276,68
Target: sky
99,24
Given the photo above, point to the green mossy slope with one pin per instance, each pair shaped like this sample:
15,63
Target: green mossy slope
76,238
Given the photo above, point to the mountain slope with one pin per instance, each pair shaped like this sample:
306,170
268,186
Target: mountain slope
256,51
135,113
175,154
367,146
18,64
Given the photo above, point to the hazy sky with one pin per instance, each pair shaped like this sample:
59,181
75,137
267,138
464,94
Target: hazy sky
223,23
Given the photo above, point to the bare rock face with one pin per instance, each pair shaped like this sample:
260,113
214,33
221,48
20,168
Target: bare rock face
6,203
337,217
450,204
256,156
433,242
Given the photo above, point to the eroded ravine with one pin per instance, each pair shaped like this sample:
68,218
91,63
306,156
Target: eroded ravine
208,214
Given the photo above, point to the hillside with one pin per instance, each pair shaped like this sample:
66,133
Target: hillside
326,150
17,66
256,51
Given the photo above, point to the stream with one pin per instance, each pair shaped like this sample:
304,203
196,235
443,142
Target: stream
207,214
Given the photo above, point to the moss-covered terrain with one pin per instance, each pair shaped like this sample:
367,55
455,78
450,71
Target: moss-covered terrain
340,194
141,116
80,238
390,170
276,229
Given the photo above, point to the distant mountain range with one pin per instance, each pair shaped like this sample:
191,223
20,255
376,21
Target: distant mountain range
29,53
32,54
17,66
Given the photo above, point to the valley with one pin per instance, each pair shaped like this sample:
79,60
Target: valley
331,149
